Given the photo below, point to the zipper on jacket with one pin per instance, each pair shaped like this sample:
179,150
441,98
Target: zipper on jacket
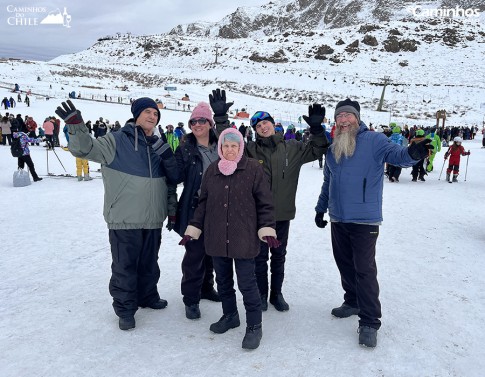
285,164
365,182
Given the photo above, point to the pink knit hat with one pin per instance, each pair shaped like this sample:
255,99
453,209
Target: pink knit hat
202,110
227,167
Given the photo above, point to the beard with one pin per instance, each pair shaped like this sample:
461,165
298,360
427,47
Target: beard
344,142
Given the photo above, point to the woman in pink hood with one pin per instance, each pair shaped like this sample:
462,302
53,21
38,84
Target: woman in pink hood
235,212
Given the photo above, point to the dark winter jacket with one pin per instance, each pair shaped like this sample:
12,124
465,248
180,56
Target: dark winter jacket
282,161
352,189
190,169
233,208
134,176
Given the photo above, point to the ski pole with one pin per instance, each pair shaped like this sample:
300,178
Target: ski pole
53,150
444,162
466,169
47,151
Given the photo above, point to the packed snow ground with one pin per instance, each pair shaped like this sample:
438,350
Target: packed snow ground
56,317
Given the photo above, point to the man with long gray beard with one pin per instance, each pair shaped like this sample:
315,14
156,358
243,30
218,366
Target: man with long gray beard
352,194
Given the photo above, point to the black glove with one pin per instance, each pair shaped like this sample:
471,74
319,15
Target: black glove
319,221
171,222
162,149
218,103
272,242
69,114
420,150
316,114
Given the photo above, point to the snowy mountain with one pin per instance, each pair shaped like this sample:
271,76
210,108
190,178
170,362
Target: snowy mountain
280,16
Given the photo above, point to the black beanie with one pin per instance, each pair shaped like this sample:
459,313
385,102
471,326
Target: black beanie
141,104
348,106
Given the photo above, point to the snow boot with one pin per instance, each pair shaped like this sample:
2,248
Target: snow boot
367,336
192,311
278,301
87,178
227,322
264,302
253,337
345,311
447,177
127,323
79,178
455,177
422,179
211,295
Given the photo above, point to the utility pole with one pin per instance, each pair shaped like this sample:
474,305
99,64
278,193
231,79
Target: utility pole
217,52
387,81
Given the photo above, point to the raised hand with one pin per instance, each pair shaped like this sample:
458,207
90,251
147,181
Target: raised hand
218,102
68,113
316,115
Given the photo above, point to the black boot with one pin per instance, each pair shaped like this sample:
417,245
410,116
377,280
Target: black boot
264,302
367,336
253,337
227,322
192,311
345,311
279,302
211,295
127,323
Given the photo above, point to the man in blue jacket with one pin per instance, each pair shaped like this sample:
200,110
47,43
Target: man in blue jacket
352,194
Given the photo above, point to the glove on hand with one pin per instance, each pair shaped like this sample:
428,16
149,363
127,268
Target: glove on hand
468,153
69,114
420,150
162,149
272,242
316,114
218,103
319,221
184,240
171,222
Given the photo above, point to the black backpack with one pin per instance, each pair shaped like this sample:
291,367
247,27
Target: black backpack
16,147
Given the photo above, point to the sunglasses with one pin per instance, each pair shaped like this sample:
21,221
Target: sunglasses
201,121
258,117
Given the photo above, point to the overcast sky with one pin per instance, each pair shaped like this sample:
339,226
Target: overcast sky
92,19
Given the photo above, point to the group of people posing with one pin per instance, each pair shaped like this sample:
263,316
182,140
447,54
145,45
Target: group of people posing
236,207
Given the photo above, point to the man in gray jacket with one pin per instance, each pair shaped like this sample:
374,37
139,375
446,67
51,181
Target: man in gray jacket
136,167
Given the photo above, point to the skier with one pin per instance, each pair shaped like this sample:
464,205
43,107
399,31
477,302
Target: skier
454,152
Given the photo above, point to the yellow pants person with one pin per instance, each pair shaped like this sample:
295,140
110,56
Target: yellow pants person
82,166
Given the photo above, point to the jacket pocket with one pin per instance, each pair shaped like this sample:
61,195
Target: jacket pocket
363,189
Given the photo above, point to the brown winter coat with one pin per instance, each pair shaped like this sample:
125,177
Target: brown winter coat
233,209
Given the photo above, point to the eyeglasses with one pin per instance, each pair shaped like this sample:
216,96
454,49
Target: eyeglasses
201,121
258,117
343,115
